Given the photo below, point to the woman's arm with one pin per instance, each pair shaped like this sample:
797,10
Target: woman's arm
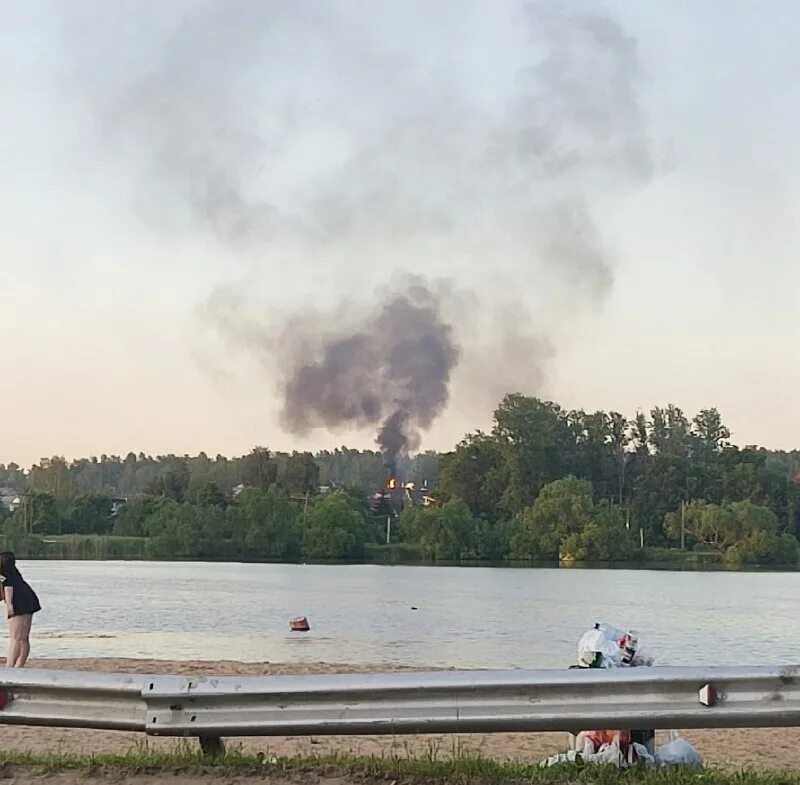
8,592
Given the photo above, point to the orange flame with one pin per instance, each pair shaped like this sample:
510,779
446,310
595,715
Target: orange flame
392,484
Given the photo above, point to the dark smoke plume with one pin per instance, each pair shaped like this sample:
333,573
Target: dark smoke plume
392,370
361,149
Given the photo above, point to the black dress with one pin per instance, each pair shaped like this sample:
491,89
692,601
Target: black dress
24,600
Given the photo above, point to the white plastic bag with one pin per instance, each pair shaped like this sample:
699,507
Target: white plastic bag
607,755
560,759
604,640
678,752
643,754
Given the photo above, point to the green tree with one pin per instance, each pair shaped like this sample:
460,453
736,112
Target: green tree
605,538
744,532
537,444
670,431
258,469
173,483
747,476
709,431
210,495
620,441
446,533
362,470
764,548
161,514
334,530
12,476
52,476
301,474
475,473
37,514
270,522
640,435
184,530
660,488
88,513
131,520
563,507
565,523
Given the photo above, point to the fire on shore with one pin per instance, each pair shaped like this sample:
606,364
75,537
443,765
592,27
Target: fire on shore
395,497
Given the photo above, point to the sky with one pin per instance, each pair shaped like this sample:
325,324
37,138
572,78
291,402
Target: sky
199,196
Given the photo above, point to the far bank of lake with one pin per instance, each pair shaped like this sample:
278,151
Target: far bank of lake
76,547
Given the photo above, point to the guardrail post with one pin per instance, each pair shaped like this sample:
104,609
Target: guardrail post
213,746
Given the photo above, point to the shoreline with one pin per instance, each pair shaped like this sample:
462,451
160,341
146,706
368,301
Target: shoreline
759,749
687,564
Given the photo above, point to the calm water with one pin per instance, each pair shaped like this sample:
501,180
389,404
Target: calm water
466,617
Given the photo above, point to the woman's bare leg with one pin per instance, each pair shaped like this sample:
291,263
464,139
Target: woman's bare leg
25,644
16,634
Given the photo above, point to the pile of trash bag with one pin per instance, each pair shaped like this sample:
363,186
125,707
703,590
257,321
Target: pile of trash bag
615,748
605,646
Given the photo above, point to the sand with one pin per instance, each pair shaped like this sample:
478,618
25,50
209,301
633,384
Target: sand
753,749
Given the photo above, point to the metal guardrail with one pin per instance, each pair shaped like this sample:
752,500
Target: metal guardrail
211,708
73,699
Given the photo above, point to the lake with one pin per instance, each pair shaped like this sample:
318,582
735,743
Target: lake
465,617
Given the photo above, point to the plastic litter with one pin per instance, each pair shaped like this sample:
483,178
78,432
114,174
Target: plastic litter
678,752
606,646
622,753
610,755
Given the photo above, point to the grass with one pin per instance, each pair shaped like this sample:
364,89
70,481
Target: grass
462,767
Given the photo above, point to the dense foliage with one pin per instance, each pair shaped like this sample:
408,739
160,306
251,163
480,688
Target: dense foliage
544,484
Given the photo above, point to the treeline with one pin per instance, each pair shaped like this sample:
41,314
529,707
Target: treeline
544,484
548,482
134,475
258,525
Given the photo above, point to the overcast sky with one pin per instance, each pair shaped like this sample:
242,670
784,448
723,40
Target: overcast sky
604,195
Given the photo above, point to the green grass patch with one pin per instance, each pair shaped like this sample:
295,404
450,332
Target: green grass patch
96,546
396,553
690,558
457,766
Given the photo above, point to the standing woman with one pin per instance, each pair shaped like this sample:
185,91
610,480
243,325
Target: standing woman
21,603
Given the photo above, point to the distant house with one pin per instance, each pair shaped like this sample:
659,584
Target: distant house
237,489
117,503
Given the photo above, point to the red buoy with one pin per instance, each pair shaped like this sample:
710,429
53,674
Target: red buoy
299,624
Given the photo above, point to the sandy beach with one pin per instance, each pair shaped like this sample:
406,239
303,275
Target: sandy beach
752,749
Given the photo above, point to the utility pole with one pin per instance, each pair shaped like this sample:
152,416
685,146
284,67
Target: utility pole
683,525
388,529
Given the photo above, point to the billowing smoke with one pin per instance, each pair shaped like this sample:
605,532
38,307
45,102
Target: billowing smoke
337,140
392,370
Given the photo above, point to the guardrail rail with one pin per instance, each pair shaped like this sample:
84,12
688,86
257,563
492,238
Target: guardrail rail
211,708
